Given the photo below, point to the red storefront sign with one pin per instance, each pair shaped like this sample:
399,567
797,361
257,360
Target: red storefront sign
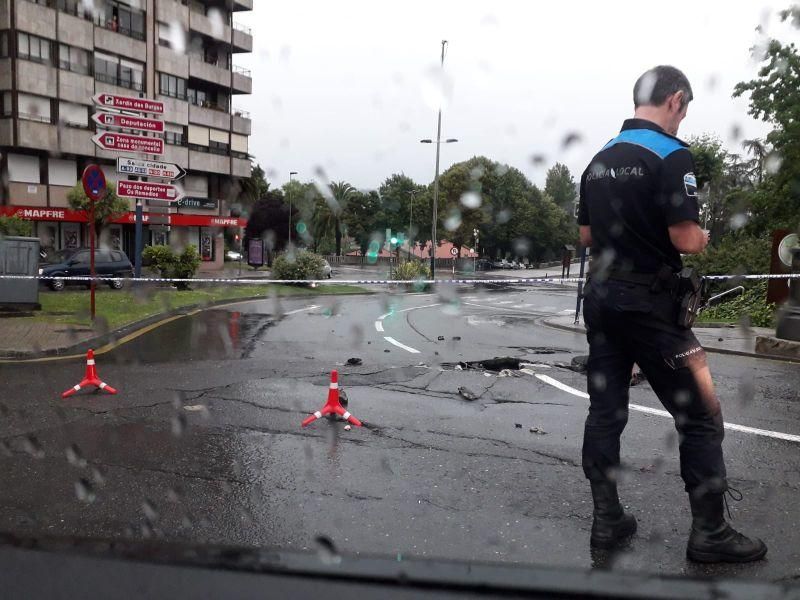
129,103
32,213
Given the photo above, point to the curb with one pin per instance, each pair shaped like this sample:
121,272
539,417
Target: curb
715,349
131,328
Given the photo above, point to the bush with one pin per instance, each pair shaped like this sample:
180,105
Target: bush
411,269
300,265
15,226
752,304
171,265
736,254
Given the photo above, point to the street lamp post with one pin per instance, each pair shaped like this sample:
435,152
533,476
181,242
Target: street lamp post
289,240
436,176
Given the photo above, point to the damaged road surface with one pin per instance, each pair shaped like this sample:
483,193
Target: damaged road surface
203,443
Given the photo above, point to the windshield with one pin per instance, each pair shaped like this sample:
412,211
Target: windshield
492,282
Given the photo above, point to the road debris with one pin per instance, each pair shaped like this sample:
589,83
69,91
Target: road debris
538,431
347,427
354,362
467,394
440,338
518,425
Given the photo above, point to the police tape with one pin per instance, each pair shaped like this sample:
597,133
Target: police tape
418,282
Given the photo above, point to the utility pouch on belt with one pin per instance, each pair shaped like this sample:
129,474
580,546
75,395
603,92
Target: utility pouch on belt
689,295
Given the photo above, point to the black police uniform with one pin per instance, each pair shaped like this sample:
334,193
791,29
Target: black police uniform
638,185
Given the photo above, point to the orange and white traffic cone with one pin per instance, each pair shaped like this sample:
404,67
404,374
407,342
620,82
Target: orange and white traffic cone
333,405
89,379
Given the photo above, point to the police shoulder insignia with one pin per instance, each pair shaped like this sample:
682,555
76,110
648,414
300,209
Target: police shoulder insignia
690,183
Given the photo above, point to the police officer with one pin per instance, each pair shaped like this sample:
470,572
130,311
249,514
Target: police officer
639,213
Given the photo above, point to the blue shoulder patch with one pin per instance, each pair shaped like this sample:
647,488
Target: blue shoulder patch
658,143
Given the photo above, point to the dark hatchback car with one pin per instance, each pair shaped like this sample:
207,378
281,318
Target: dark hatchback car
75,263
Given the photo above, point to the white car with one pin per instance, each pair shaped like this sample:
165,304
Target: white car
233,255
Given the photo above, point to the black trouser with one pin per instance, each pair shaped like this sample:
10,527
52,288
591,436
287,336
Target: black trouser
628,324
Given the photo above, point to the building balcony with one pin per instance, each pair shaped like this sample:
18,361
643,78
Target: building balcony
176,154
200,23
241,122
117,43
172,11
209,162
27,194
36,19
210,117
74,87
75,31
242,82
38,135
172,63
242,40
200,69
77,141
36,78
241,167
176,110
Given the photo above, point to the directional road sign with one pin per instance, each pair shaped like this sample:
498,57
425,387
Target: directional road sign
149,168
122,142
94,182
146,190
129,103
107,119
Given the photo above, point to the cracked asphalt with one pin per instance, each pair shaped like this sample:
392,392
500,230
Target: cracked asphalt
204,442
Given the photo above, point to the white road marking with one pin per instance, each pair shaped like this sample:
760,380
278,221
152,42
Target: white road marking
391,340
568,311
378,326
662,413
299,310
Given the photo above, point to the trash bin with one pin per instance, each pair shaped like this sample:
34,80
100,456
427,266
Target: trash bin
19,256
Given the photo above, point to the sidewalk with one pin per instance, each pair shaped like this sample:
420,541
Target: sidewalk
723,340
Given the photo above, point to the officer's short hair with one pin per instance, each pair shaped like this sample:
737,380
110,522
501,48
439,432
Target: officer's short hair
659,83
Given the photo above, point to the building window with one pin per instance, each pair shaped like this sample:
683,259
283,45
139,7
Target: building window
172,86
7,105
121,18
79,8
121,72
73,115
73,59
31,47
197,97
4,44
34,108
174,135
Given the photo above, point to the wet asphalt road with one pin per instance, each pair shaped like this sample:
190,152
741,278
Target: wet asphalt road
204,441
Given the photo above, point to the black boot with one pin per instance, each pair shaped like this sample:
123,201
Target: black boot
611,524
713,539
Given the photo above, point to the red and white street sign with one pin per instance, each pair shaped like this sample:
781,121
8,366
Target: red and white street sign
122,142
129,103
128,122
145,190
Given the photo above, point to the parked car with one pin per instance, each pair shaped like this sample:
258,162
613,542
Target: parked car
75,263
327,272
483,264
233,255
497,264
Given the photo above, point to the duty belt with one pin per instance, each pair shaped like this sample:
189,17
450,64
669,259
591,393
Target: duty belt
664,280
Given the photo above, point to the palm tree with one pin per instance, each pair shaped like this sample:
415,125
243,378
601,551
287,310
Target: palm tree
329,213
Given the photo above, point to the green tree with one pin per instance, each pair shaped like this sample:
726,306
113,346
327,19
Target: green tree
775,98
397,194
560,186
329,213
15,225
106,209
362,217
253,188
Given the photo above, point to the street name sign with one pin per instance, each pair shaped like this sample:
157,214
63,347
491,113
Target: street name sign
149,168
122,142
146,190
107,119
129,103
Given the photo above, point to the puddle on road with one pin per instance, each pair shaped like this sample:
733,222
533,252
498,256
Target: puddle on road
208,335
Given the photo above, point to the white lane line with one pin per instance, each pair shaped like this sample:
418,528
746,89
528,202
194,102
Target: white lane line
662,413
391,340
379,326
524,312
299,310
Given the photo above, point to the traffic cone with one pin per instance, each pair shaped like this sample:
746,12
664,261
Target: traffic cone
333,406
90,378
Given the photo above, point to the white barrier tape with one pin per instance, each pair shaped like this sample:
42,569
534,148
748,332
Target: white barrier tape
520,281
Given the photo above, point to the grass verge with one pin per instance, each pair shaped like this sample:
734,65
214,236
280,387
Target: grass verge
127,306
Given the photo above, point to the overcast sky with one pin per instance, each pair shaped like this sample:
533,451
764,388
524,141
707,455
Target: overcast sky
352,86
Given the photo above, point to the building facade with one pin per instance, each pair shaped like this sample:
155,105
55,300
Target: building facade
55,55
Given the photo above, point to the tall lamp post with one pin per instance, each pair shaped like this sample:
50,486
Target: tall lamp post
436,176
412,193
289,240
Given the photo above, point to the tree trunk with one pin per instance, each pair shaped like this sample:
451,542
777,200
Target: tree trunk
338,234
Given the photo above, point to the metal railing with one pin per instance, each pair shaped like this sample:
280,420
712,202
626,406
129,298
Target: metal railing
241,113
241,71
242,28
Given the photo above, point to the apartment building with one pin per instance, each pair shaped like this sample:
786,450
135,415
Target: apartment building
55,55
